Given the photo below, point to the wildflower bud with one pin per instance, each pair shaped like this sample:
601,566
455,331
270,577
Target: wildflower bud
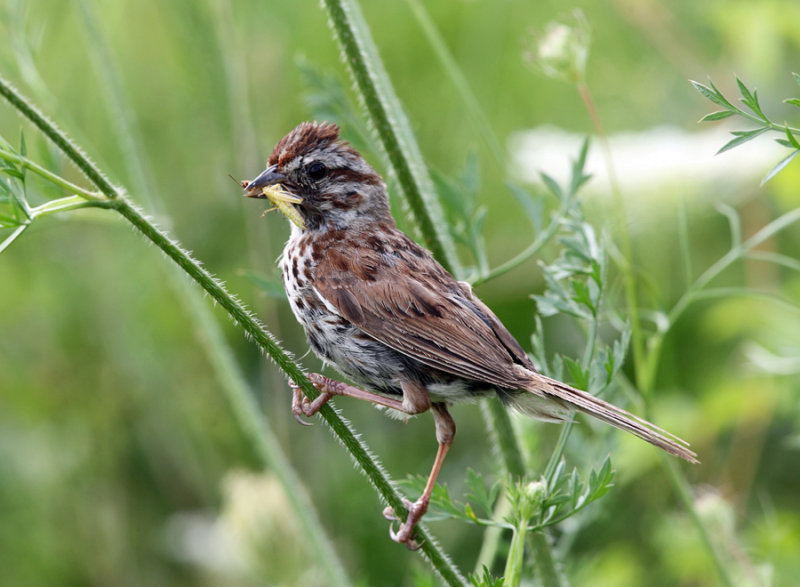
561,50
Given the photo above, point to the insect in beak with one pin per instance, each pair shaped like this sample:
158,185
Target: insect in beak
267,185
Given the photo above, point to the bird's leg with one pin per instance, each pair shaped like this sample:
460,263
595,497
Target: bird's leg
327,387
415,401
445,431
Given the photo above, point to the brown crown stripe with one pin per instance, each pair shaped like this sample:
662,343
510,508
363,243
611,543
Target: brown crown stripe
304,139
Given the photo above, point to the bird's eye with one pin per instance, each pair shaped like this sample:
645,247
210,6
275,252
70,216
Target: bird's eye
317,171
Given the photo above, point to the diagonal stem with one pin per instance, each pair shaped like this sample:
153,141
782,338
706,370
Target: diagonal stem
342,429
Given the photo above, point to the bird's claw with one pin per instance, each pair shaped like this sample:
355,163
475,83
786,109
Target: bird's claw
415,512
300,405
388,513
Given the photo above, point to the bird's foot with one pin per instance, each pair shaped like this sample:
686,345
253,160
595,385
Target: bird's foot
416,510
302,406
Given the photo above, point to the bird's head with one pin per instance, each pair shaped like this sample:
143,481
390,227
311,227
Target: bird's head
336,186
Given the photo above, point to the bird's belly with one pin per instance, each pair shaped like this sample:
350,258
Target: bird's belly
366,361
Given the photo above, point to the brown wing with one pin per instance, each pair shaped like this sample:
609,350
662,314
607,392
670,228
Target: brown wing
398,294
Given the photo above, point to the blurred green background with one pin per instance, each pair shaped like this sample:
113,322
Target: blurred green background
120,460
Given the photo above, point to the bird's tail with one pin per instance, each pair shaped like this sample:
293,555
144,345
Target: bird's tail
544,388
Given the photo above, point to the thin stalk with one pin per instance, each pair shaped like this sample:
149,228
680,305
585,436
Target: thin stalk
26,163
558,451
736,253
693,292
242,317
502,432
66,204
527,503
542,239
566,428
492,536
391,123
254,425
545,562
645,359
626,264
674,474
512,575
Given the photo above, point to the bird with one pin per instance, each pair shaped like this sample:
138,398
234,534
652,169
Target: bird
380,309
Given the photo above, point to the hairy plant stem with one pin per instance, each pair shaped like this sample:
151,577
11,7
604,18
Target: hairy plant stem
241,316
246,412
545,561
389,119
391,123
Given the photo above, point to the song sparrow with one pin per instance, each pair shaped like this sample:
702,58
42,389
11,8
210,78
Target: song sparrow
380,308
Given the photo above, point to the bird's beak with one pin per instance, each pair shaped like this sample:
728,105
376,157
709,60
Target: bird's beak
268,185
270,176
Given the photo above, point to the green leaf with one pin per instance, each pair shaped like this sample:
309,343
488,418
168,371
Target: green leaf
485,579
779,167
552,185
750,99
718,115
578,175
579,375
741,137
616,357
712,93
533,207
12,237
478,493
13,172
790,137
8,221
585,294
792,101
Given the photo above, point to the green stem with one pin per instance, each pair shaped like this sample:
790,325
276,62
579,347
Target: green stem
545,562
566,428
527,503
257,429
645,363
558,451
66,205
542,239
49,128
626,263
254,329
46,174
245,410
512,575
692,293
392,126
502,430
